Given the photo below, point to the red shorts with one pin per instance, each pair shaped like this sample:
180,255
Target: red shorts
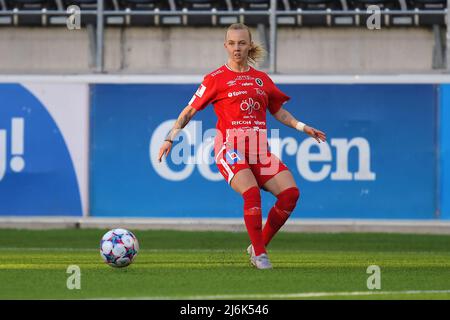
264,167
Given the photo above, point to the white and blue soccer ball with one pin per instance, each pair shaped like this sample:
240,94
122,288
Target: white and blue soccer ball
119,247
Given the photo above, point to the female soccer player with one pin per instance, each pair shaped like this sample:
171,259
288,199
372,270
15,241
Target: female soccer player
241,95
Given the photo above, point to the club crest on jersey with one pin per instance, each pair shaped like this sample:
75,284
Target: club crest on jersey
233,157
250,105
259,82
200,91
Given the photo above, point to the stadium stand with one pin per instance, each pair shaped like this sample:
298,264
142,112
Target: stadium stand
201,12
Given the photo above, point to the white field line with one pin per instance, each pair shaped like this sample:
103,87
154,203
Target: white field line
140,250
284,295
199,250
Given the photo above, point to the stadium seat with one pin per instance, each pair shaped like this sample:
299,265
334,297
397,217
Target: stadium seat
113,5
205,5
318,4
25,5
257,5
30,4
319,20
201,4
429,19
252,5
128,6
4,20
144,4
428,4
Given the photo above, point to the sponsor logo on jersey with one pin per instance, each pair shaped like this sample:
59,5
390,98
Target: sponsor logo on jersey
215,73
249,105
246,84
231,83
243,78
260,92
259,82
239,122
200,91
236,93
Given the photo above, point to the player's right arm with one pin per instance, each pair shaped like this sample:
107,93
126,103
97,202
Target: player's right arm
204,95
183,119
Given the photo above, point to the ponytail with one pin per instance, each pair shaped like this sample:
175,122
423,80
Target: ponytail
256,54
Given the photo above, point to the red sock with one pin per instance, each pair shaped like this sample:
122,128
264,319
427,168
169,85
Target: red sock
253,219
280,212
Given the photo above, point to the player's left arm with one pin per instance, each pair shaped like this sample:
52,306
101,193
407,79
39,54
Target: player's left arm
286,118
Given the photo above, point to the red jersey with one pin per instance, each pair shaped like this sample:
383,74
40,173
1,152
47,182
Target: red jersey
240,102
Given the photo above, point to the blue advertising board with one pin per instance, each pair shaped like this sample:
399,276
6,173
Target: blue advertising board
37,174
377,163
444,134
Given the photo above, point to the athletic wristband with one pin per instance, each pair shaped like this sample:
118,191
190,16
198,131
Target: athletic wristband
168,140
300,126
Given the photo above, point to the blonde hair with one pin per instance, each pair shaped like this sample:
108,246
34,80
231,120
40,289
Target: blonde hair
257,52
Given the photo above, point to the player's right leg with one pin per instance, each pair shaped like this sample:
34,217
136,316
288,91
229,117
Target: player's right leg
242,180
245,183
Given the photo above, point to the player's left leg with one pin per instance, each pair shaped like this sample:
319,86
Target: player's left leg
284,188
273,176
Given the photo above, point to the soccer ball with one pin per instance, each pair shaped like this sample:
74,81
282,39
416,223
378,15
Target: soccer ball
119,247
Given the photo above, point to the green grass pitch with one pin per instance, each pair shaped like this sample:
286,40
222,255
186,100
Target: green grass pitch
214,265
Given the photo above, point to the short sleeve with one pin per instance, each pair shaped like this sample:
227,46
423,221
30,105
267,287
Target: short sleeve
276,97
204,95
